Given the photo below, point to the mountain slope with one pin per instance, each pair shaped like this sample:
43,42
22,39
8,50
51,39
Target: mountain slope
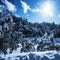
16,30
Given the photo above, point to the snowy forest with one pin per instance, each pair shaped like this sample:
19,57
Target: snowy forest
16,33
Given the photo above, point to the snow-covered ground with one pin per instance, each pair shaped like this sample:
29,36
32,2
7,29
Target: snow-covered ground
45,55
42,55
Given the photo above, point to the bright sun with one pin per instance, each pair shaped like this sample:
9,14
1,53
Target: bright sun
47,9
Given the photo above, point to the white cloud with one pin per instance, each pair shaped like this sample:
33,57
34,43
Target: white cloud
36,10
9,5
45,10
25,6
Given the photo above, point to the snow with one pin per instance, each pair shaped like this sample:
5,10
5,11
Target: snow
50,56
1,8
36,47
1,55
17,55
14,56
8,51
58,53
6,26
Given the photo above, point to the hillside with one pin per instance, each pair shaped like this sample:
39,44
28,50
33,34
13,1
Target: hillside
17,30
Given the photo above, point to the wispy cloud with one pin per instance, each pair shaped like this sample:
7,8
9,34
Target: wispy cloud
36,10
45,11
9,5
25,6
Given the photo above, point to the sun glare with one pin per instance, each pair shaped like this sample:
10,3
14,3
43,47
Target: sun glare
47,9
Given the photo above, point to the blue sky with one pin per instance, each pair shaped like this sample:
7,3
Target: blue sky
35,10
